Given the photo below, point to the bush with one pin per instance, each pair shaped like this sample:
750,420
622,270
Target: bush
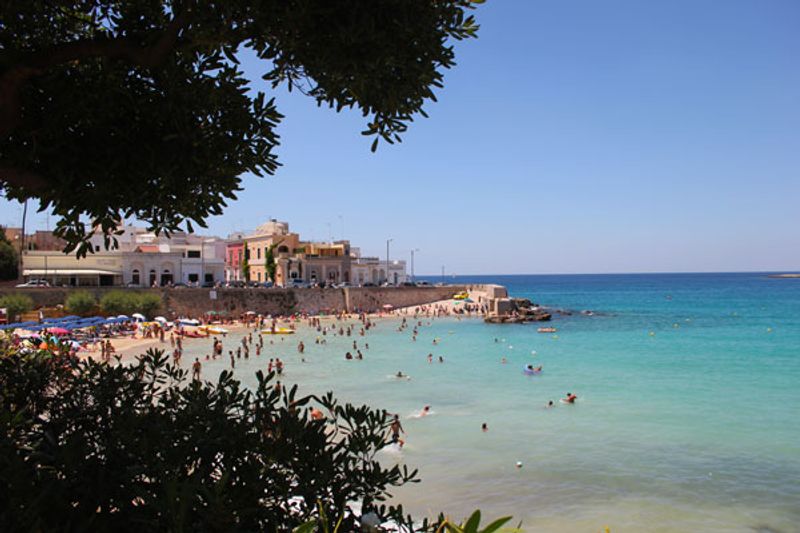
119,303
127,302
89,446
16,304
80,303
148,304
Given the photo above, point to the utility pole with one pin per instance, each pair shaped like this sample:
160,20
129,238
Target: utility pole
413,279
387,260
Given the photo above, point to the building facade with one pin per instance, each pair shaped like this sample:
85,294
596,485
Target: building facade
141,259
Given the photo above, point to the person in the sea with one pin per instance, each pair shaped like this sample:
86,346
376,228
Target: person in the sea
570,398
441,359
550,404
396,427
196,366
348,356
430,358
425,411
400,375
484,427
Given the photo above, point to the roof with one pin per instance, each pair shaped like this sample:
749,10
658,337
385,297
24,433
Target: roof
67,271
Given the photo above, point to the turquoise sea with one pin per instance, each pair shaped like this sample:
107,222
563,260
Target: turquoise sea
687,419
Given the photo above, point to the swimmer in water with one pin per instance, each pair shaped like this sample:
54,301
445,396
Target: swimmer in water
503,360
570,398
550,404
484,427
441,359
425,411
430,358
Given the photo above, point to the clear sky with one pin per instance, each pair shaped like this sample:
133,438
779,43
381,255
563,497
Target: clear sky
573,136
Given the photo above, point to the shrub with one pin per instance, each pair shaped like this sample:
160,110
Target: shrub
16,304
119,303
100,447
80,303
148,304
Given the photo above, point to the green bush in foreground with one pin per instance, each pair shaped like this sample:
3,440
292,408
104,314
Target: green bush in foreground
80,303
85,446
16,304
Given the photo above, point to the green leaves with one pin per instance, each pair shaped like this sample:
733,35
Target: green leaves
472,525
151,118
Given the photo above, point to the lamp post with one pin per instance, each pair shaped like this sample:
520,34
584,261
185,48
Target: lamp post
413,279
387,259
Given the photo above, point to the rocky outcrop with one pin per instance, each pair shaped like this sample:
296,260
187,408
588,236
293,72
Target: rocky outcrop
515,311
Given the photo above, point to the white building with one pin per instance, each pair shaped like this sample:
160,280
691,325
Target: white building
141,259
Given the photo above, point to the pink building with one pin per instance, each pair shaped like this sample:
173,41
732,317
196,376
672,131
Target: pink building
234,256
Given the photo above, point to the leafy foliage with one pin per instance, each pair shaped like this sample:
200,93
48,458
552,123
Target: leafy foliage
16,304
269,260
246,263
9,259
89,446
81,303
123,302
139,109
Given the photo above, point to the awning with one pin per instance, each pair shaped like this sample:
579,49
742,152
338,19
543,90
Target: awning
67,272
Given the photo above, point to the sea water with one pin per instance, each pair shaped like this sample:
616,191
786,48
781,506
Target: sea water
687,418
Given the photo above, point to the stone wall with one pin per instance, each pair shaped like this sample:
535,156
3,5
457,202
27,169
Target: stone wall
194,302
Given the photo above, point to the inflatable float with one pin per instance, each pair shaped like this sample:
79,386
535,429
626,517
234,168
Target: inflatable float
529,371
278,331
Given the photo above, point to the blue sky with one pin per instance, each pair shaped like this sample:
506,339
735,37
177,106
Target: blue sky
573,136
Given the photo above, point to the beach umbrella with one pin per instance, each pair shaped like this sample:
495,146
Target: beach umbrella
139,316
188,322
124,317
160,319
58,331
388,306
71,317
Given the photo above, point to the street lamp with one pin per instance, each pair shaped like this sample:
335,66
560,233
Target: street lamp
387,259
413,279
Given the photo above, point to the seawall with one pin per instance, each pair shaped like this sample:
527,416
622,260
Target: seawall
194,302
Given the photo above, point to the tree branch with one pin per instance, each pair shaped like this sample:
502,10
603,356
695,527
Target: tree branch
121,48
30,182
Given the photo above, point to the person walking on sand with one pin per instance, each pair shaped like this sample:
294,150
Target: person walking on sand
196,366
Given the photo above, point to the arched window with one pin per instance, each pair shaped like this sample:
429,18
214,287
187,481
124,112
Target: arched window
283,249
135,276
152,277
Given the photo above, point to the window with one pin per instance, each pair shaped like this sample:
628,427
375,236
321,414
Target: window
258,275
258,253
97,248
193,278
194,254
135,277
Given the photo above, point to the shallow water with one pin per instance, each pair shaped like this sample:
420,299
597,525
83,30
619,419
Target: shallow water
687,418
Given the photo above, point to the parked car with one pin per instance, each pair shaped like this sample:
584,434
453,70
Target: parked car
407,284
208,285
423,284
266,285
299,284
35,283
369,284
